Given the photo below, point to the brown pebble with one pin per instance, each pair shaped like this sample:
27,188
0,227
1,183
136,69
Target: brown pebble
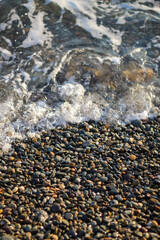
53,237
157,208
143,229
52,154
153,200
62,186
15,189
28,236
153,223
21,188
107,238
7,211
34,139
11,158
132,157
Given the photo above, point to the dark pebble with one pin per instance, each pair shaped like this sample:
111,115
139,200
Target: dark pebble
56,207
136,123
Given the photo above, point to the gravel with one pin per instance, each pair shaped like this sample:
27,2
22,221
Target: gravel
83,181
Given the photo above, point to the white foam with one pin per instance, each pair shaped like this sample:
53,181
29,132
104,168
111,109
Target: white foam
13,17
73,105
115,60
77,107
137,103
3,26
38,33
58,66
26,76
8,41
5,53
72,92
138,6
85,12
121,20
31,7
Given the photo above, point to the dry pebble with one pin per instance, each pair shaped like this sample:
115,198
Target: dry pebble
83,181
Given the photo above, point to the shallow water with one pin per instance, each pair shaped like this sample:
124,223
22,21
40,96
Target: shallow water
76,60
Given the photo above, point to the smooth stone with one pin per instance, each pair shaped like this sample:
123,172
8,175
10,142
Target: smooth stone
72,232
77,180
60,174
132,157
115,234
138,233
54,236
56,207
29,236
75,187
65,222
114,191
50,149
114,202
80,232
7,237
42,216
51,200
58,158
99,235
111,186
136,123
27,228
119,198
68,216
40,236
104,179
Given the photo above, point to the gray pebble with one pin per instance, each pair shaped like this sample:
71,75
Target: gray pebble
7,237
68,216
56,207
114,191
42,216
104,179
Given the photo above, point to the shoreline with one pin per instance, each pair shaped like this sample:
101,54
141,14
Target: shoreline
83,181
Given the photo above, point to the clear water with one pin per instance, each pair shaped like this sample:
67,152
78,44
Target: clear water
76,60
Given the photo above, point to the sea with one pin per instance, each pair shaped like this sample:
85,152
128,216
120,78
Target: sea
69,61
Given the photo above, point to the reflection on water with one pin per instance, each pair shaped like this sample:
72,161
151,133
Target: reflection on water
70,61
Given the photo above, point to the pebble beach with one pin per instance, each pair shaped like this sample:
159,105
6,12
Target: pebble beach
83,181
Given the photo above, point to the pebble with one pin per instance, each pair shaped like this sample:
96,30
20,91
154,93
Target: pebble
114,191
68,216
7,237
104,179
72,232
53,237
136,123
42,216
138,233
75,187
153,223
132,157
114,202
56,207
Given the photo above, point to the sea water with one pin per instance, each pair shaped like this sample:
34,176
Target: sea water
77,60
